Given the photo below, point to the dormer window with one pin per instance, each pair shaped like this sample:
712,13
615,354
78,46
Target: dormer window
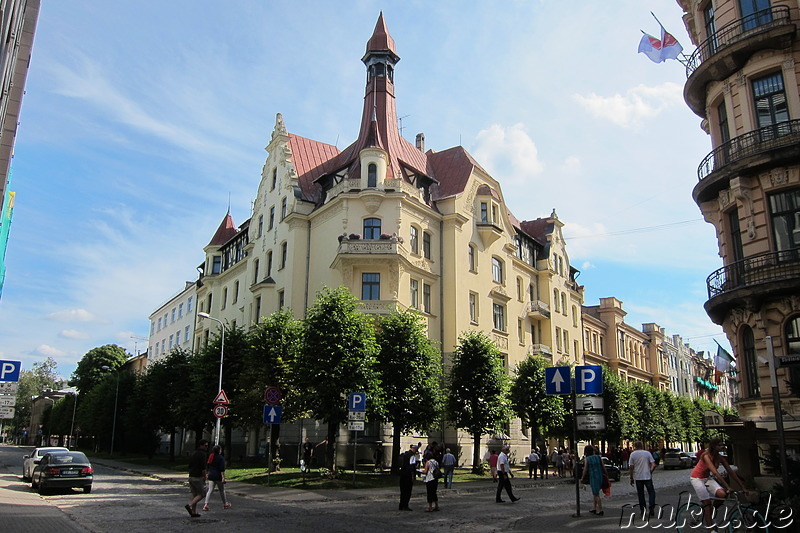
372,228
372,175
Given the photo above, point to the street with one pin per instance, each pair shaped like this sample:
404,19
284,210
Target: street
130,502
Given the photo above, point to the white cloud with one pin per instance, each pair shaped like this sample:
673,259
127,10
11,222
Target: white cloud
636,105
586,265
49,351
73,334
508,153
73,315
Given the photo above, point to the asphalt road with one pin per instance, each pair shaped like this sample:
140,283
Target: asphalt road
125,502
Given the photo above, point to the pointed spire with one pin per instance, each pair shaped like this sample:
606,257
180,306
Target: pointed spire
381,40
225,231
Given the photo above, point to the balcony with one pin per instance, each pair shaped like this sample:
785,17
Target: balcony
752,152
731,46
747,283
537,310
379,307
369,246
540,349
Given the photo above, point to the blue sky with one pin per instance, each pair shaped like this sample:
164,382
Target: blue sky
141,118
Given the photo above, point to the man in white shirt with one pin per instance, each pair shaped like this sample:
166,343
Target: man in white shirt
641,465
504,474
533,464
449,466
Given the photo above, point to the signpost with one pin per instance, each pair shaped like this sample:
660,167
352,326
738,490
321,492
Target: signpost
557,381
220,411
356,414
9,370
9,382
273,413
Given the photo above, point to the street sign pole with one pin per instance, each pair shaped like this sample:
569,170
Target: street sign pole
355,448
575,444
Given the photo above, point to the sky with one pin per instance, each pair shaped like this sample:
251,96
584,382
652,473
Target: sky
143,120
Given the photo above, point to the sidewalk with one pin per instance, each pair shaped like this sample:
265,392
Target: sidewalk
22,510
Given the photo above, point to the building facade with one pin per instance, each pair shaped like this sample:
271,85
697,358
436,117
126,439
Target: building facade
401,227
172,324
743,82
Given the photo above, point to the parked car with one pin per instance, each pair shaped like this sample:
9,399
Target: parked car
29,462
61,470
613,471
693,457
677,460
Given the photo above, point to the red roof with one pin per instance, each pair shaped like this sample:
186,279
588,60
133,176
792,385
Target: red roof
311,160
225,231
381,40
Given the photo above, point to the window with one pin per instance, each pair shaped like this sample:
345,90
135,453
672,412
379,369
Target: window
564,304
784,209
372,228
414,240
770,102
751,384
260,225
174,313
186,334
274,179
178,338
159,323
152,327
370,286
566,342
497,270
171,337
269,263
555,299
558,339
755,13
426,245
792,331
372,175
484,212
495,218
426,298
257,313
224,298
473,308
574,316
711,26
499,317
163,345
519,289
180,310
471,257
414,293
255,271
520,331
189,305
281,300
216,264
722,118
531,293
736,249
235,291
283,208
283,255
271,223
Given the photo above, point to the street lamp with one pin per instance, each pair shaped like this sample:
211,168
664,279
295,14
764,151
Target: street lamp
221,357
72,425
116,398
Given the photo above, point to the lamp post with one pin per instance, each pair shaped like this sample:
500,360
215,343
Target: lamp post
72,425
221,358
116,399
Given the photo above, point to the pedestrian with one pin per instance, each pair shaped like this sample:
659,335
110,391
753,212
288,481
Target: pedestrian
197,476
625,455
448,468
431,474
544,467
505,474
594,471
408,471
533,464
377,455
559,462
493,465
308,454
641,465
216,477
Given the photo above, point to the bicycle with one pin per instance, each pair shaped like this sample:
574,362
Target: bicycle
729,516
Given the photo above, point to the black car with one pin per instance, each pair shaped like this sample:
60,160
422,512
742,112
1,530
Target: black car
60,470
614,472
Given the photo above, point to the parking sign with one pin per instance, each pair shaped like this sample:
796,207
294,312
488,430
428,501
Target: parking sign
9,370
357,401
589,379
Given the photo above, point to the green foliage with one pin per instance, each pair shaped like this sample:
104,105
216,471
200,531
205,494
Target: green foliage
478,397
89,371
622,421
652,413
529,402
31,384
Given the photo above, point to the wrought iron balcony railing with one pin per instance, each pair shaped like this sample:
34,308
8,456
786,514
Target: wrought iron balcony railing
756,142
744,28
762,268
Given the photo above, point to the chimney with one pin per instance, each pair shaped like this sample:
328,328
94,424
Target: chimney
421,142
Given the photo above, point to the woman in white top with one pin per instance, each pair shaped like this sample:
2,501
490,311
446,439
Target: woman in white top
431,481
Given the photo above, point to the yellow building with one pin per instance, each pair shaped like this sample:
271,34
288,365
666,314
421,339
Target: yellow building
401,227
743,82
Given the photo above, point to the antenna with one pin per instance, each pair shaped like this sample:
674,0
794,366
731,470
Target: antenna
136,344
400,123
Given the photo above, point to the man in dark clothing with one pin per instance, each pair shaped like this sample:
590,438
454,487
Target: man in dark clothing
197,476
408,471
308,453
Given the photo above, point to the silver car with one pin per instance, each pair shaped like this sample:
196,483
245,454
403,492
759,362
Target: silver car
29,462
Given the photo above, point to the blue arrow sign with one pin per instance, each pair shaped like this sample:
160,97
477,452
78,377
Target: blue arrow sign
9,370
557,380
272,414
589,379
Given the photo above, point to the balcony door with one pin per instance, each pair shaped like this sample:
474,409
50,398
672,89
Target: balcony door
755,13
784,210
770,106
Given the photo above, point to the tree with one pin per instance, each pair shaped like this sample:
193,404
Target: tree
89,371
652,413
620,408
529,401
478,400
337,356
411,376
31,384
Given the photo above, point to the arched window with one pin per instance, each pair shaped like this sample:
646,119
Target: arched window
372,175
372,228
414,240
555,299
751,385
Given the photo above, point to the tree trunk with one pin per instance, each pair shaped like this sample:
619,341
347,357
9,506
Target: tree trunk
330,449
172,445
274,446
396,450
476,453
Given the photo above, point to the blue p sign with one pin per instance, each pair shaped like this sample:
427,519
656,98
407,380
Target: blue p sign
9,370
589,379
357,401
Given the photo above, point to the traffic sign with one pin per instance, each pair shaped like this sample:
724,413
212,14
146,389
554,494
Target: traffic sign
557,380
220,411
589,404
221,398
8,401
8,387
591,422
273,395
272,414
589,379
356,415
357,401
9,370
6,412
785,361
355,426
